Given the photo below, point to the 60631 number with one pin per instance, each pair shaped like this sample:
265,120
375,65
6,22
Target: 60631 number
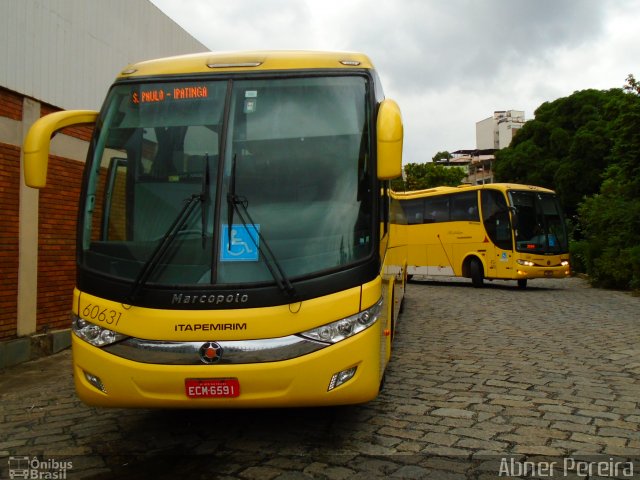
105,315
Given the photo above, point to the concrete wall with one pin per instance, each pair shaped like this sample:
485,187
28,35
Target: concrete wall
485,134
498,131
67,52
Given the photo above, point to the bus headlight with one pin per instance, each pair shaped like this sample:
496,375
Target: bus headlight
526,263
94,334
346,327
565,263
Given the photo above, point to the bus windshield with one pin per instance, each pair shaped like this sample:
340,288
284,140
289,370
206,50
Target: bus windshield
540,225
168,157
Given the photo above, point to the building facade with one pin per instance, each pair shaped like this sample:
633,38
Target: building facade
477,163
498,131
61,54
493,133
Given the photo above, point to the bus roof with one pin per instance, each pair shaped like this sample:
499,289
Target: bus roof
246,61
442,190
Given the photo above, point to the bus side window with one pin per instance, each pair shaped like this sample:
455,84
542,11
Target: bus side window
464,207
436,209
413,210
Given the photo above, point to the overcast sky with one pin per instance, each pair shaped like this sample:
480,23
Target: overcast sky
448,63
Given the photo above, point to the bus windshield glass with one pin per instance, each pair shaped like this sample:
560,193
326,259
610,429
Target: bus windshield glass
170,159
540,225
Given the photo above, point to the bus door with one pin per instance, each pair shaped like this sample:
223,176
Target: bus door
499,238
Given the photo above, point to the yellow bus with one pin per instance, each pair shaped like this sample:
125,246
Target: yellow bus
492,231
233,246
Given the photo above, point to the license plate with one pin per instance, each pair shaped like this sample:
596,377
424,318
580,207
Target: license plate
212,387
548,273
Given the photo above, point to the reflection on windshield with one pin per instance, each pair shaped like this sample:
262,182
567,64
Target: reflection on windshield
540,226
301,149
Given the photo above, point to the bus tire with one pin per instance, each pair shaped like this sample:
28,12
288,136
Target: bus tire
476,273
522,283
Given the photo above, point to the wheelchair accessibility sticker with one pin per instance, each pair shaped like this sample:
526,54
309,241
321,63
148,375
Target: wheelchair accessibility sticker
244,243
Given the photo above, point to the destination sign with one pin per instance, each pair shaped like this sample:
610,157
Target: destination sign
158,95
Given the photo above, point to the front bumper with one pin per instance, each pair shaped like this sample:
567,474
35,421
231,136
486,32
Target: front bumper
525,272
301,381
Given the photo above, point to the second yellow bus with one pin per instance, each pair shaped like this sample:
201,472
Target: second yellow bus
494,231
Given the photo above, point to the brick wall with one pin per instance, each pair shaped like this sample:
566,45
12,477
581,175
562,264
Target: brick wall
10,107
57,228
9,221
10,104
56,244
58,212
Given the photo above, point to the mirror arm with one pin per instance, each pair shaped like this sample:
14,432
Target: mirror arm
36,144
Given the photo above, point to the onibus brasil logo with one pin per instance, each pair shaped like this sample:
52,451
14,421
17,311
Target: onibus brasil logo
34,468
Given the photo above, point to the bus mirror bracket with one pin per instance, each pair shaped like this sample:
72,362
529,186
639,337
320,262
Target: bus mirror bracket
389,134
36,144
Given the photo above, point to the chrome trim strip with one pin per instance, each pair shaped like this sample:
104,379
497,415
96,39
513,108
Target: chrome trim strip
233,352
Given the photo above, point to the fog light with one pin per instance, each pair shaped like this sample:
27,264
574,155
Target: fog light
95,381
341,377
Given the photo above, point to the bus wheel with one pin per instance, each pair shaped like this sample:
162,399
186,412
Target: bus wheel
522,283
477,275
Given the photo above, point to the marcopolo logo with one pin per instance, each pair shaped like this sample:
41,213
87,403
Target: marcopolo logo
34,468
209,299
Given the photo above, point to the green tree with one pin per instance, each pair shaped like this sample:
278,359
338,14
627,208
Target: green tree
441,156
567,147
418,176
587,148
632,84
610,220
610,248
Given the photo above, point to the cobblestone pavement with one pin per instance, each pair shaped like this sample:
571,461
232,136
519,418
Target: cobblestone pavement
481,382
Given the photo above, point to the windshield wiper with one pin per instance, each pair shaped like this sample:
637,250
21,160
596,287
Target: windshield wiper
205,198
171,234
231,199
239,204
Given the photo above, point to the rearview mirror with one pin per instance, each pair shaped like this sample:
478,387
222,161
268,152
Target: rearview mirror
389,133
